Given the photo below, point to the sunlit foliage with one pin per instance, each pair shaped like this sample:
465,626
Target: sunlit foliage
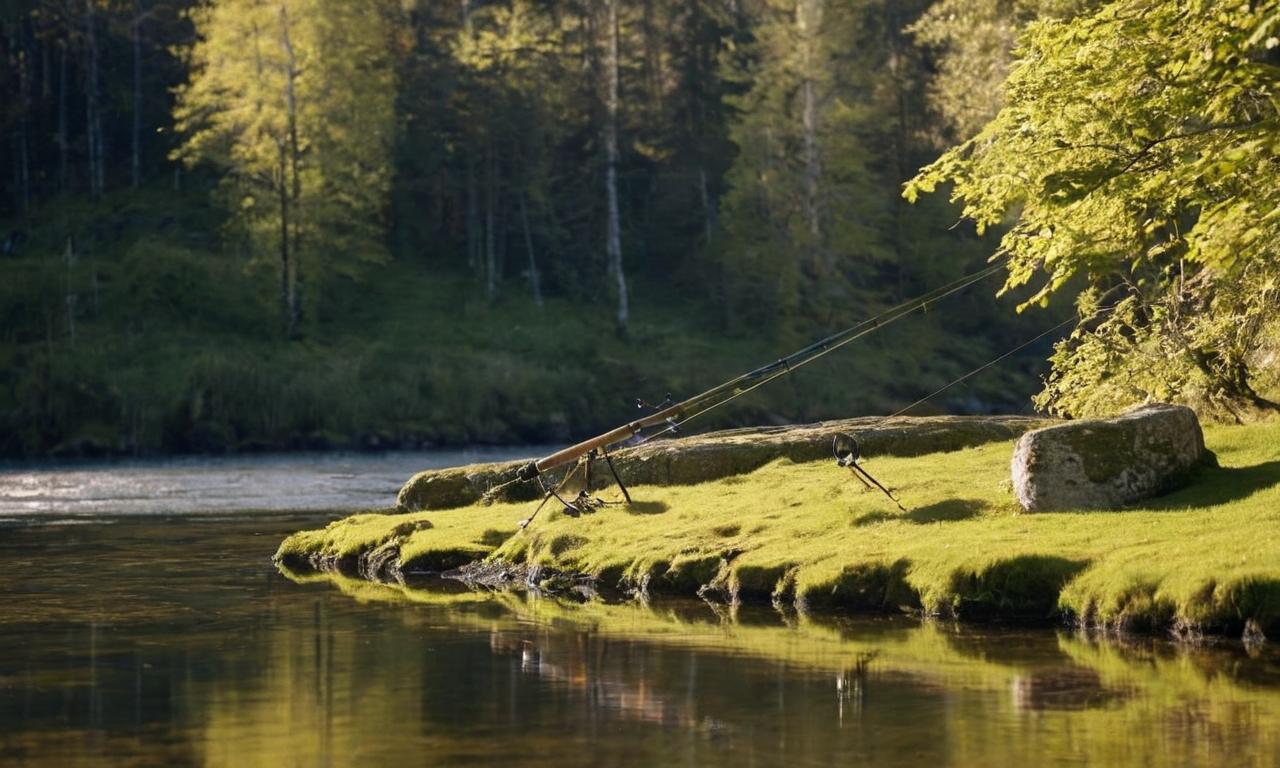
1137,150
294,102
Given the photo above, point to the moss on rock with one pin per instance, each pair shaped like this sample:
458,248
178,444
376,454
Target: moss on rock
1107,463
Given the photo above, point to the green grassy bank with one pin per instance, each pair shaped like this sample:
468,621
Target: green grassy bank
1203,559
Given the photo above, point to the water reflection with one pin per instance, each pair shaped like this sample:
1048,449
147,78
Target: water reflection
1065,688
175,642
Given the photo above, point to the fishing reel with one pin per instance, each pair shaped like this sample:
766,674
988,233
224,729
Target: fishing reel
653,407
847,451
583,502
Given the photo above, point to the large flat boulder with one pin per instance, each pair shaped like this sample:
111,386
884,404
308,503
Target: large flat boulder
715,455
1107,463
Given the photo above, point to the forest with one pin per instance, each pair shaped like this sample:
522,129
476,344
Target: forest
308,224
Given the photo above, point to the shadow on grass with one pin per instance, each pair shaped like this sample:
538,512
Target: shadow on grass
1211,486
944,511
871,518
647,507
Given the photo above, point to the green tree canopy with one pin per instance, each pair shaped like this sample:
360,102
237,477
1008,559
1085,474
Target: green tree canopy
1138,150
294,101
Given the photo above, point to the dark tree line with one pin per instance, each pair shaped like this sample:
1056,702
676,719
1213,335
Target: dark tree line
752,149
87,100
222,222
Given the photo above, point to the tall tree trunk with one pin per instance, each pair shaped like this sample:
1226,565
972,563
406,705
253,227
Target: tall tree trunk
93,118
286,263
898,68
70,299
490,202
535,280
613,235
500,230
61,136
294,186
135,163
653,60
474,246
708,212
808,20
21,160
46,85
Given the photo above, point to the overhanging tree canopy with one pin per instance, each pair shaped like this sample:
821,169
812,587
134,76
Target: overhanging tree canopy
1138,148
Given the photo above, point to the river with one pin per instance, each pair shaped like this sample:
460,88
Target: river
143,623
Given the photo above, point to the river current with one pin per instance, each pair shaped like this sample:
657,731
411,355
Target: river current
156,631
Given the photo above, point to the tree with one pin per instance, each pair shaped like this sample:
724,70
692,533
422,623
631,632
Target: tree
93,105
504,55
613,231
1137,150
293,101
802,214
973,42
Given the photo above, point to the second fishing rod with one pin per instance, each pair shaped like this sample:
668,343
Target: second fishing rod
670,417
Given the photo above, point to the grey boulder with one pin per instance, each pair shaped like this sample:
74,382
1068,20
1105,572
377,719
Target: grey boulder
1107,463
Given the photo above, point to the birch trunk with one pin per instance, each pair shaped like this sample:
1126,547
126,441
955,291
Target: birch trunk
808,20
475,247
21,159
708,213
70,299
473,219
46,85
93,121
500,232
286,263
490,246
61,137
293,188
135,162
613,237
535,280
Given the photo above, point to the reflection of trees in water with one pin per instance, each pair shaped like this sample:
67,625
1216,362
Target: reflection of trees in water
1062,688
229,671
601,673
851,687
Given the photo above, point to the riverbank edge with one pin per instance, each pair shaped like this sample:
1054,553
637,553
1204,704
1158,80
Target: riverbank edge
1046,574
871,591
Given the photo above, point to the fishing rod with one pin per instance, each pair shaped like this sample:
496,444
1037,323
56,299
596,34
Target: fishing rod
670,417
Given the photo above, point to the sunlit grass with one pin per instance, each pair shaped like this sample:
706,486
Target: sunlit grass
1208,555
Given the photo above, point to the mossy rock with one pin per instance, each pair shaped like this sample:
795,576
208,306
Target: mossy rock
716,455
1108,463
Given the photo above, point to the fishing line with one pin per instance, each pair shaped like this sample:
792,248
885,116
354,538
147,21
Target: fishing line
852,463
732,389
834,342
840,338
992,362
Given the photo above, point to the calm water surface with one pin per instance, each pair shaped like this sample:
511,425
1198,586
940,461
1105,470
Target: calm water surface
172,640
286,482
